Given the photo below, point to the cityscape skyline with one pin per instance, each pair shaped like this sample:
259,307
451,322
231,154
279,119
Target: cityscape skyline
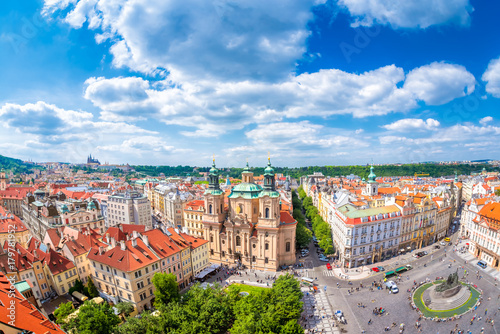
314,82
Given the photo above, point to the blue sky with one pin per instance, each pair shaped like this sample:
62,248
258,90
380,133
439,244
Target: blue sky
314,82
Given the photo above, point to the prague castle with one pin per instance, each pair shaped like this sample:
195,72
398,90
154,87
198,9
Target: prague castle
252,230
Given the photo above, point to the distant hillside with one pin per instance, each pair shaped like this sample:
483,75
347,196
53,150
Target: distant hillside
14,165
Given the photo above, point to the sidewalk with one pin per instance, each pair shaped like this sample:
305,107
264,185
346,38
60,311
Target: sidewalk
318,314
495,274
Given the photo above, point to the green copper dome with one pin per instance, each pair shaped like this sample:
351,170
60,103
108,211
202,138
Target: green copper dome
269,169
213,170
64,208
247,168
91,205
372,176
246,190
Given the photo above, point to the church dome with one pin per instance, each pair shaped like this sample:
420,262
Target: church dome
246,190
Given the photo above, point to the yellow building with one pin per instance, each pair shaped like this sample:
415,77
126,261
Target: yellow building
12,229
60,271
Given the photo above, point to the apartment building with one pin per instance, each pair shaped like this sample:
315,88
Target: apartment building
193,218
365,236
125,271
130,207
12,228
60,272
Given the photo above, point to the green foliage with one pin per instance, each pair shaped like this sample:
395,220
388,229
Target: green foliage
169,170
320,227
218,311
273,311
91,289
15,165
77,287
303,235
302,193
63,311
497,192
167,289
93,318
125,308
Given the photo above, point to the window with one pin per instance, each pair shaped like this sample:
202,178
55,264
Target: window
238,240
266,260
210,209
267,212
287,246
253,258
211,238
267,246
140,285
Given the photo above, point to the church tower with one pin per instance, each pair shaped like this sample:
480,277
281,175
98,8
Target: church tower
269,207
3,180
372,185
214,214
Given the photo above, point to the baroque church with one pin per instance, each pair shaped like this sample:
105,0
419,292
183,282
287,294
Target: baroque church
252,230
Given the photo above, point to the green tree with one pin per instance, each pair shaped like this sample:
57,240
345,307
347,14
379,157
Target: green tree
125,308
93,318
63,311
167,289
497,192
147,324
77,287
92,290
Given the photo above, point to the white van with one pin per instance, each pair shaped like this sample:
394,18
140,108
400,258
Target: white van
391,286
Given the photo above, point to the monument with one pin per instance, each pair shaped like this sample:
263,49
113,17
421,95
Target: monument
448,288
446,295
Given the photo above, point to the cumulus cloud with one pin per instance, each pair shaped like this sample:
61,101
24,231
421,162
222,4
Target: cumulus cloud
266,37
492,77
408,13
439,82
485,120
412,124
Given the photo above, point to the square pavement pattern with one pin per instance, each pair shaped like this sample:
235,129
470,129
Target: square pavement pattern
317,315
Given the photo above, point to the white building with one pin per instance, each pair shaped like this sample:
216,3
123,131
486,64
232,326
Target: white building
130,207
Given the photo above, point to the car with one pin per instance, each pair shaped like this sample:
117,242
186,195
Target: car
416,255
449,244
391,286
328,266
381,268
375,269
446,239
482,264
425,252
442,243
323,259
437,246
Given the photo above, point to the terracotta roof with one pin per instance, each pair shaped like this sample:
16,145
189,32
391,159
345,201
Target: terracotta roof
27,316
161,243
196,205
391,190
9,220
129,228
57,263
130,259
286,218
491,214
78,246
54,236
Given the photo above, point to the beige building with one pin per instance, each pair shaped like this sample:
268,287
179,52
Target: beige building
254,231
193,218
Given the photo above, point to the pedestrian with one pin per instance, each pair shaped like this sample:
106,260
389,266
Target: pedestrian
486,312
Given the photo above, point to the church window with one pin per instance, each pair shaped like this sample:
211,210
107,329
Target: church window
266,260
238,240
267,212
288,246
254,246
87,218
253,258
221,208
223,253
211,238
267,246
211,252
210,209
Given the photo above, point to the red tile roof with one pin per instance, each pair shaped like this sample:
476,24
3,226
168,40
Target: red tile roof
130,259
9,220
161,243
196,205
27,317
57,263
286,218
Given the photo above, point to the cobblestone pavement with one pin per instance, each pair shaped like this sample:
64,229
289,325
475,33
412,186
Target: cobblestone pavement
318,315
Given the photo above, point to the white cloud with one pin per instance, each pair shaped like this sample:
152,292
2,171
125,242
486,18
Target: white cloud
197,38
408,13
409,124
485,120
142,144
439,83
492,77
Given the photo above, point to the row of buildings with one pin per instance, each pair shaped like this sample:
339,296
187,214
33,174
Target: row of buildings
378,218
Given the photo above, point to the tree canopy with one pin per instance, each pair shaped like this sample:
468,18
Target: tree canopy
167,288
92,318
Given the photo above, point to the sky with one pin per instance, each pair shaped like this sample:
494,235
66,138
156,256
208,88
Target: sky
310,82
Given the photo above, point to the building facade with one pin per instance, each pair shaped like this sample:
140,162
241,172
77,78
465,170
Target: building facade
130,207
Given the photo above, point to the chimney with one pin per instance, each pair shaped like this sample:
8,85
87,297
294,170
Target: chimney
48,245
101,250
113,242
122,245
134,242
135,234
145,240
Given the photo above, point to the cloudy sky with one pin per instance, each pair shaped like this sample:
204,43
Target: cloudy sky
314,82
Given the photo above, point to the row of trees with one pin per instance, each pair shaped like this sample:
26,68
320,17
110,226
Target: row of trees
210,310
320,228
303,235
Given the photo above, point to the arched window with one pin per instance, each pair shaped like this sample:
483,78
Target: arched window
87,218
221,208
287,246
267,212
74,220
238,240
253,258
210,209
267,246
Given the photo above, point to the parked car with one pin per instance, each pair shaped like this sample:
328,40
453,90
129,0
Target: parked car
375,269
323,259
442,243
437,247
392,286
328,266
381,268
482,264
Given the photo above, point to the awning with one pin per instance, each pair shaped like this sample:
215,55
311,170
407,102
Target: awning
401,250
408,247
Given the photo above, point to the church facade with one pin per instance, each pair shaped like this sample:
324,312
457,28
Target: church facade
252,230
